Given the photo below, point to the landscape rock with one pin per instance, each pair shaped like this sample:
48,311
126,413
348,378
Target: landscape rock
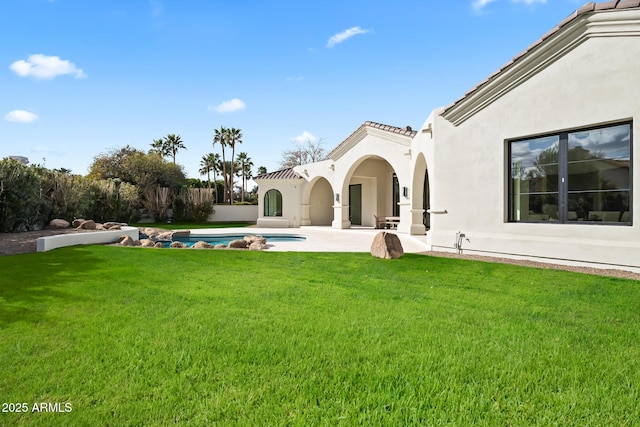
251,239
147,243
177,245
159,245
87,225
387,246
239,244
59,223
76,222
220,246
257,246
181,233
100,227
111,225
202,245
125,241
166,236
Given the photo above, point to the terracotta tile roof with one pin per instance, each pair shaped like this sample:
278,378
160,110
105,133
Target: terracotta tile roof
587,8
406,131
288,173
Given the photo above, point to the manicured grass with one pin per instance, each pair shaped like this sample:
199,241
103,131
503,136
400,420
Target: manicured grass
192,225
132,336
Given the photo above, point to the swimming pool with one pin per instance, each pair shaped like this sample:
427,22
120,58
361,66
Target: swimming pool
216,239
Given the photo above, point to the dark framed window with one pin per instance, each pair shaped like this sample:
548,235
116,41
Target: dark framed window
395,208
273,203
572,177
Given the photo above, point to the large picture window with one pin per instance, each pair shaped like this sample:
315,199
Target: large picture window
579,176
273,203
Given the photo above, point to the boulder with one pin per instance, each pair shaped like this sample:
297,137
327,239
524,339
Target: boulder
387,246
159,245
147,243
87,225
239,244
177,245
100,226
76,222
112,225
202,245
125,241
252,239
220,246
166,236
59,223
257,246
181,233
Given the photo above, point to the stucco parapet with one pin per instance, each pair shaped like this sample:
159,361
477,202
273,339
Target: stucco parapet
553,46
571,32
387,132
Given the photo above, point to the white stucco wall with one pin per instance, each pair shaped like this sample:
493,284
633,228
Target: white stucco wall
291,190
231,213
595,83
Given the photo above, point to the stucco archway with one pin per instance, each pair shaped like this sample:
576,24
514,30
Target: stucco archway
318,203
370,189
420,218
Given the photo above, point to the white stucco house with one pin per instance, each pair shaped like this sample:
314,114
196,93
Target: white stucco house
536,161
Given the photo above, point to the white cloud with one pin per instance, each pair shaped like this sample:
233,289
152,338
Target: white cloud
340,37
45,67
230,106
479,4
304,137
529,1
20,116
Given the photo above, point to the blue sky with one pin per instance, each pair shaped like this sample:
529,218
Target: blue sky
80,77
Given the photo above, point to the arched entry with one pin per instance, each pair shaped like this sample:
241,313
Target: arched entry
321,203
420,217
370,192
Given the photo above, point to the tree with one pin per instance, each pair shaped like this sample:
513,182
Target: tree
308,151
245,167
235,137
207,164
159,147
262,170
221,137
174,143
136,167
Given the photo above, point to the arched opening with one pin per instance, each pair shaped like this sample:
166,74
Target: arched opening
372,192
273,203
420,203
321,203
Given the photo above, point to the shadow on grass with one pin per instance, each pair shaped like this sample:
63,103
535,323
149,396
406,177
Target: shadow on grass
31,282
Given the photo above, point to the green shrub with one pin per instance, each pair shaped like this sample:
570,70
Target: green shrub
22,204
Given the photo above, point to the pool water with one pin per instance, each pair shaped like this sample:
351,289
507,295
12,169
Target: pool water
216,239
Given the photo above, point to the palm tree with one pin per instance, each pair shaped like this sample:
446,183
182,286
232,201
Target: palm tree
221,136
207,165
245,167
173,143
262,170
235,137
159,147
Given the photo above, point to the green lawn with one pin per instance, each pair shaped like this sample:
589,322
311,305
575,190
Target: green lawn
131,336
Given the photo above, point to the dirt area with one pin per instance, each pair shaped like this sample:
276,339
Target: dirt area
22,243
587,270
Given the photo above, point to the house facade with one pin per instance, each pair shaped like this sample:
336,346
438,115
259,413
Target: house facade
537,161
